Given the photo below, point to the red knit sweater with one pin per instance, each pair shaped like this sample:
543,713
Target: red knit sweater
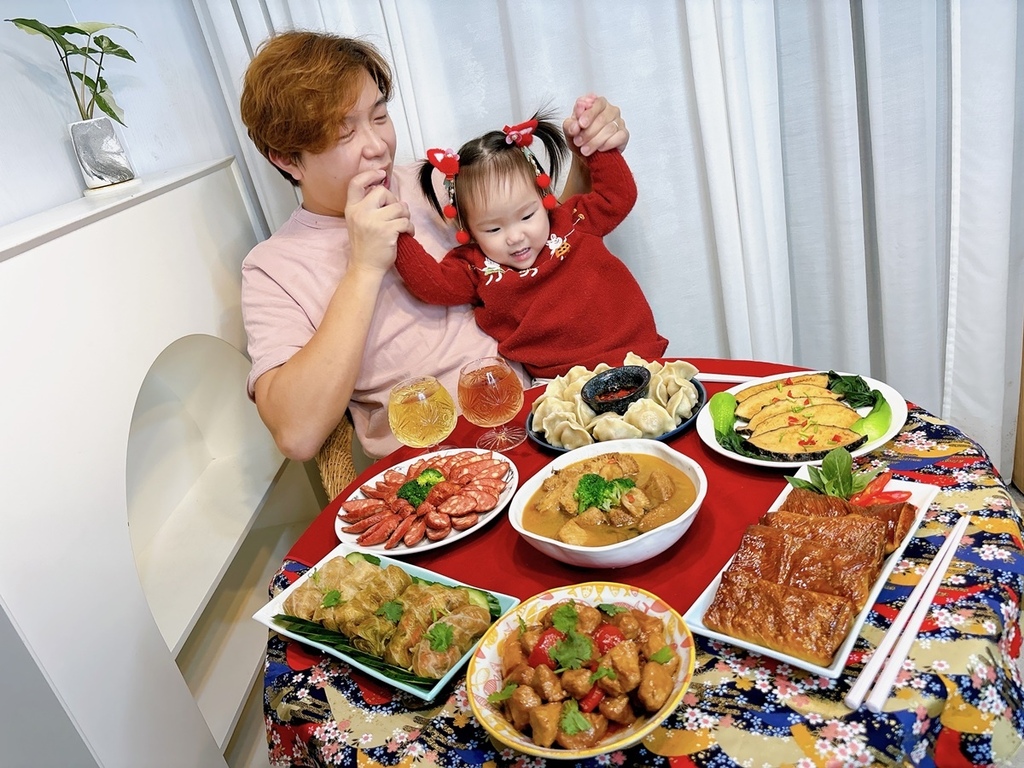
578,305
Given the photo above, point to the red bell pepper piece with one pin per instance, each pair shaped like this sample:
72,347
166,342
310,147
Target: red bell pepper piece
589,702
876,486
890,497
606,637
540,653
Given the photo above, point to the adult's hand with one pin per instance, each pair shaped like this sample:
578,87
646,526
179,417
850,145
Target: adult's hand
595,125
375,218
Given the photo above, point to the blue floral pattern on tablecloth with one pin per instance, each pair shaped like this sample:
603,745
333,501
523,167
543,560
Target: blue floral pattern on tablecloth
959,700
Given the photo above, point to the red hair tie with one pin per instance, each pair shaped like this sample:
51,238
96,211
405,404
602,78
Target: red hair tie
521,135
447,162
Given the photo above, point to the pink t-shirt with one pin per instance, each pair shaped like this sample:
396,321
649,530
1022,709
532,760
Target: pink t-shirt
289,279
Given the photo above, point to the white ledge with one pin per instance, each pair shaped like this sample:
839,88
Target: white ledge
28,233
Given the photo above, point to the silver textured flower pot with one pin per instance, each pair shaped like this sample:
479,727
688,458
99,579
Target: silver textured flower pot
101,156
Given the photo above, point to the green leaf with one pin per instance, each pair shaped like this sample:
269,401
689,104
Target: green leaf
317,633
106,103
572,720
572,652
854,389
440,636
602,671
503,694
110,48
565,617
663,655
878,419
610,609
331,599
722,406
391,610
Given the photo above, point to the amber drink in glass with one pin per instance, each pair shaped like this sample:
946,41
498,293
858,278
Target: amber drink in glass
490,395
421,412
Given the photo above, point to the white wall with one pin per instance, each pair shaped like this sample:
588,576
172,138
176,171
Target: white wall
174,110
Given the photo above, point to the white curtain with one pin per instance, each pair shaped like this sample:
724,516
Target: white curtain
833,185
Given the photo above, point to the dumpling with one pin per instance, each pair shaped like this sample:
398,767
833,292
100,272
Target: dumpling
572,390
549,406
576,372
650,418
658,390
584,413
553,419
601,368
680,369
680,405
611,426
569,434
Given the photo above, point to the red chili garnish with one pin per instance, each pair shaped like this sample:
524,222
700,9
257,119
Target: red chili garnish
589,702
808,441
837,438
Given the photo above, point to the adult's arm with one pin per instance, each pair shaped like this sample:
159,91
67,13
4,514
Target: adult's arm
594,126
304,400
446,283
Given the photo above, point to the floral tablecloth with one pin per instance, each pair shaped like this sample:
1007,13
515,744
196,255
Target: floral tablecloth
959,700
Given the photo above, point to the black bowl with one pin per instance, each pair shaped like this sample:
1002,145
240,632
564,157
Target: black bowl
616,389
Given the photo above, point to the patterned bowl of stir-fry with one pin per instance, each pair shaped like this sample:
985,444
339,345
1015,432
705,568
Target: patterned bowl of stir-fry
580,671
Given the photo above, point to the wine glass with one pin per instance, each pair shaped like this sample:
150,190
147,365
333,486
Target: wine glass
421,412
490,395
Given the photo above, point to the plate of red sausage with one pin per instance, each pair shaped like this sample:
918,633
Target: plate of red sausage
477,485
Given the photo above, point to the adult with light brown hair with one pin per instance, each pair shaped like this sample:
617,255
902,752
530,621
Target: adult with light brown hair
330,324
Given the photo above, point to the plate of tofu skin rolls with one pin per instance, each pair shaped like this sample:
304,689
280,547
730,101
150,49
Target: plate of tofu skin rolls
406,626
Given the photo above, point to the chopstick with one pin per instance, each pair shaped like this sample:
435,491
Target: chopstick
903,630
725,377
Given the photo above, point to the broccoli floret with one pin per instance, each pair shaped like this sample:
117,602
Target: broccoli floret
594,491
430,477
415,491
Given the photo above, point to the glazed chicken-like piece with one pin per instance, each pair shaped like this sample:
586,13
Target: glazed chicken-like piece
624,661
588,738
528,639
547,684
655,685
577,682
588,618
617,709
652,632
635,502
627,623
512,655
523,700
521,675
544,723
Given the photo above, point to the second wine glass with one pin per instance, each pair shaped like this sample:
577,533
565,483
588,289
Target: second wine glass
491,394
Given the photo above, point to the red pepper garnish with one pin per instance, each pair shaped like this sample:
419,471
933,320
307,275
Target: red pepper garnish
589,702
606,637
837,438
890,497
808,441
540,653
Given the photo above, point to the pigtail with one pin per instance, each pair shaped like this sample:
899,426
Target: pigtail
551,136
426,177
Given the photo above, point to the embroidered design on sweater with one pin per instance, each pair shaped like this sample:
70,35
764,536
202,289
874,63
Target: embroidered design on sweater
560,246
492,268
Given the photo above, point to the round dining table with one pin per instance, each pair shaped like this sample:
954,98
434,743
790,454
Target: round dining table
958,700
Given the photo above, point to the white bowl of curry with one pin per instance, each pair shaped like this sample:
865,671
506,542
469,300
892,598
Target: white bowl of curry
646,496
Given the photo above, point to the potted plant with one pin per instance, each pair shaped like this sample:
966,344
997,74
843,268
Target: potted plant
100,153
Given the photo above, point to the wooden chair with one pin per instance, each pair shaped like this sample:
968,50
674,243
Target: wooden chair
334,459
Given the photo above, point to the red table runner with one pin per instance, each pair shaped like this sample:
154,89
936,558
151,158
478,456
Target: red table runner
496,558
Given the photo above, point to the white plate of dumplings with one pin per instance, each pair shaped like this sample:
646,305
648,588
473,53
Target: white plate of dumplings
561,421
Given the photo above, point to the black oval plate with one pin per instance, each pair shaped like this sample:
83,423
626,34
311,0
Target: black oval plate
702,398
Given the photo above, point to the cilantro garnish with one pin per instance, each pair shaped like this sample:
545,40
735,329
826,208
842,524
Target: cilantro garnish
504,693
610,609
392,611
572,652
565,617
663,655
603,671
331,599
573,720
440,636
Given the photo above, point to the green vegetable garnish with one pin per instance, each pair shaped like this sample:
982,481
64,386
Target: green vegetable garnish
878,419
572,720
503,694
573,652
331,599
836,476
594,491
565,617
854,389
722,406
415,491
440,636
663,655
603,671
392,611
610,609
